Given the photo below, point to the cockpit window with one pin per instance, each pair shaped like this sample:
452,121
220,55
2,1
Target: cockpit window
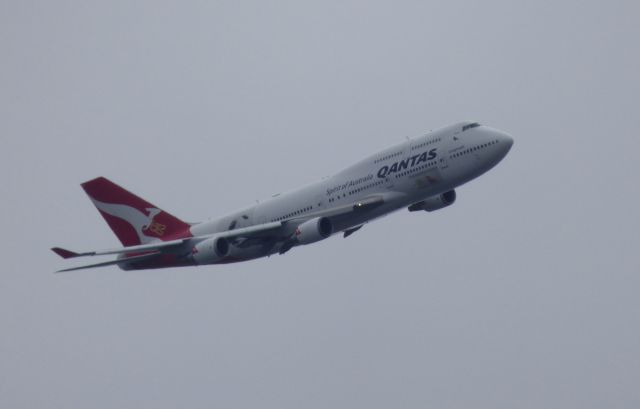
469,126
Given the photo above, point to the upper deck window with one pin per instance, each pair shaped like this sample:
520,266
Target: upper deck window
469,126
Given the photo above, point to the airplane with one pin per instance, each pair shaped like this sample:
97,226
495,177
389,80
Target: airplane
420,174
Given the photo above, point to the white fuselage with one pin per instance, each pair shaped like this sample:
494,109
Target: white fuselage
403,174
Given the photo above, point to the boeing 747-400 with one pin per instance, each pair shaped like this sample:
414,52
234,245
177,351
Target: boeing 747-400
420,174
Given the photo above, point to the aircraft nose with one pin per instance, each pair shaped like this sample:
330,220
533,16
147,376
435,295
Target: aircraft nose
506,142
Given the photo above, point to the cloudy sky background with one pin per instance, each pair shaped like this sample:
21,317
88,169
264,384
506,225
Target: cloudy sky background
524,294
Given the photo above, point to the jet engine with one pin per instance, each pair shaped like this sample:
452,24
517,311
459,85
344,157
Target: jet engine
435,202
313,230
210,250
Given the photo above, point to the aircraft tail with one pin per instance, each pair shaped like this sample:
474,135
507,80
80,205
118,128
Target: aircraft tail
134,220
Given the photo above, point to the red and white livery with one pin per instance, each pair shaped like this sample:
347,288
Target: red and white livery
419,174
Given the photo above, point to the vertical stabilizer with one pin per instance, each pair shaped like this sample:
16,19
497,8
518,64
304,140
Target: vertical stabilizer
133,219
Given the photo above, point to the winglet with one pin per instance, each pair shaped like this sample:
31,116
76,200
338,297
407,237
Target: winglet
64,253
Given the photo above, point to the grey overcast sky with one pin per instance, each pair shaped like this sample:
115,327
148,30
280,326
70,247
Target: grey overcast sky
524,294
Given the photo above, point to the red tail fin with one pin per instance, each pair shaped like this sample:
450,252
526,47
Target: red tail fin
132,219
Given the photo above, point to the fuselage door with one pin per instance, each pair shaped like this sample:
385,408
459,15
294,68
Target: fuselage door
443,163
320,200
443,158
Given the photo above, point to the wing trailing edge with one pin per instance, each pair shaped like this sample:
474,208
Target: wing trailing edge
112,262
160,245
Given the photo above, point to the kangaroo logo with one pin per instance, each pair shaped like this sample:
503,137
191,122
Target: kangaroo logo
157,228
138,220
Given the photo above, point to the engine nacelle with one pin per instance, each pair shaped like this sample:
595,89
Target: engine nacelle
435,202
314,230
210,250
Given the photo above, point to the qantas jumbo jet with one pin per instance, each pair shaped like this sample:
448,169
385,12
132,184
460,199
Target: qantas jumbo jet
419,174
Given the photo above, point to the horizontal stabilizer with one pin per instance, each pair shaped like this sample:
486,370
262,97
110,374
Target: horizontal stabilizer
64,253
112,262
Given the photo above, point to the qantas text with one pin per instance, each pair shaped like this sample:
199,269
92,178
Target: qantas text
407,163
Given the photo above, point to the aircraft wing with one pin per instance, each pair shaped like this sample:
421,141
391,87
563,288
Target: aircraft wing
112,262
276,230
282,230
160,246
